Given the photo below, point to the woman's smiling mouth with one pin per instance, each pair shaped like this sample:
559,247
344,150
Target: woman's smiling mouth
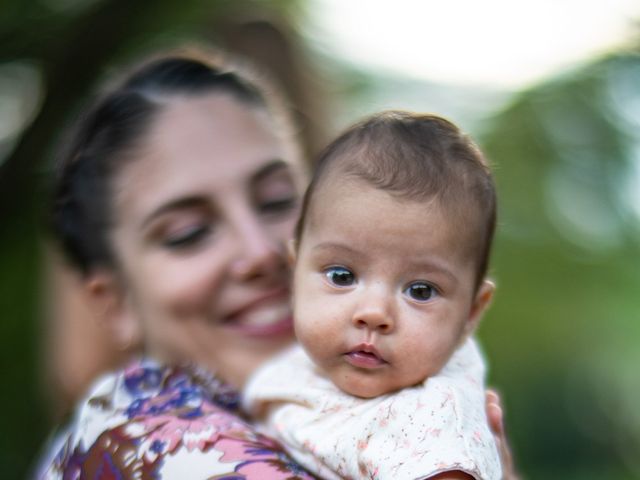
267,316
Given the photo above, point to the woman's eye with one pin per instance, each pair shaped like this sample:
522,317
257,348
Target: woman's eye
280,205
186,237
420,291
340,276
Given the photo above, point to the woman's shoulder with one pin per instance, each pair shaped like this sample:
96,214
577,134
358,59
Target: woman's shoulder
160,421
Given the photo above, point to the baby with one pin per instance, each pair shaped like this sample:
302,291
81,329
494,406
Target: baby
390,259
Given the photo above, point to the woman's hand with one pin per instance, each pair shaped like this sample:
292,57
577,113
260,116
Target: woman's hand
496,424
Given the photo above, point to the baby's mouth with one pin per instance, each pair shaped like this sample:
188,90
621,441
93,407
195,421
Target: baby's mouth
365,356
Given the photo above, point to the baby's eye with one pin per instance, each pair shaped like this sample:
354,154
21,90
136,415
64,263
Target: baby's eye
186,237
420,291
340,276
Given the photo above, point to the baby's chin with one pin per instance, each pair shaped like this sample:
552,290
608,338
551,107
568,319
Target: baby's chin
366,389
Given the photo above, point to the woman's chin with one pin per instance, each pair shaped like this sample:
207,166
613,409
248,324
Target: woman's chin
280,328
246,354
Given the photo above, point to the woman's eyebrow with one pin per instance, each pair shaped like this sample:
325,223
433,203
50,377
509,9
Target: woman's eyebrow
274,165
177,204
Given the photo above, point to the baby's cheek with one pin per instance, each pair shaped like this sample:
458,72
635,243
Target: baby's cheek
317,335
313,311
428,359
310,330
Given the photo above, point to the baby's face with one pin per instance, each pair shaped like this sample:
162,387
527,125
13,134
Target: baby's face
383,293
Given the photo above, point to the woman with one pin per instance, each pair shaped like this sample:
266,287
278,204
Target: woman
175,197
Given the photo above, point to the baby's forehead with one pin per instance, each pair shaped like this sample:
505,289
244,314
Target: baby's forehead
457,220
344,185
340,183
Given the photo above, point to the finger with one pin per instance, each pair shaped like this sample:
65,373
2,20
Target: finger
495,414
492,397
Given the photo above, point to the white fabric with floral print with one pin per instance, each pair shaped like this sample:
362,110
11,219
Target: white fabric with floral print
415,433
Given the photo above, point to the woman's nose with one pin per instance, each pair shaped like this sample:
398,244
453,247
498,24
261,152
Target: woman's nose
259,254
374,313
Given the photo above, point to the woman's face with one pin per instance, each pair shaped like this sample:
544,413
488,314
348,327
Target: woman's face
202,215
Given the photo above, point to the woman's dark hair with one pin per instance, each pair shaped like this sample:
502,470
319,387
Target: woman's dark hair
109,131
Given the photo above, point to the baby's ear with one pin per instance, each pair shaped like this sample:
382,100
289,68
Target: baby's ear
292,247
480,303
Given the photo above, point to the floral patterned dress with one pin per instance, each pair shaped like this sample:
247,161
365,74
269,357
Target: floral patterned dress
155,422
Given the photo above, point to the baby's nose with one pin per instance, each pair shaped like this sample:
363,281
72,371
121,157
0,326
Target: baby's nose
375,315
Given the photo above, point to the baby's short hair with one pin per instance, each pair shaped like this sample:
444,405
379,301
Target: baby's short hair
417,157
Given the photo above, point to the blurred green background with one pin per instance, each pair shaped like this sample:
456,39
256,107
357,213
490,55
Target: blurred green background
562,334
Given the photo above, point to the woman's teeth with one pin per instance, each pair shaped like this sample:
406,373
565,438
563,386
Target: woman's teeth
264,315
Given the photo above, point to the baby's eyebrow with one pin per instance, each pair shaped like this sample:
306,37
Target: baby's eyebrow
333,246
432,266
